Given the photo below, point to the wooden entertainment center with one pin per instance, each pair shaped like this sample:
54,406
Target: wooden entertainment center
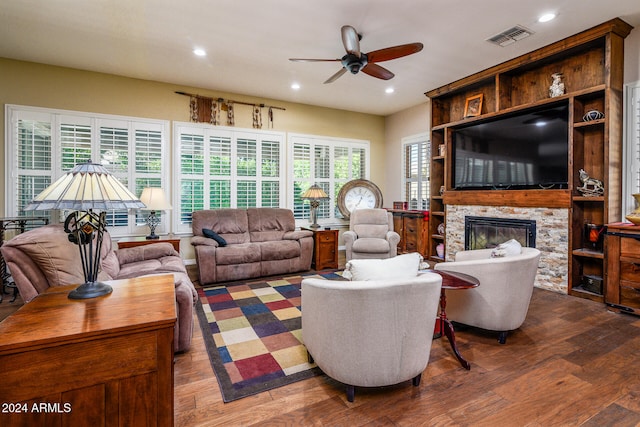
591,63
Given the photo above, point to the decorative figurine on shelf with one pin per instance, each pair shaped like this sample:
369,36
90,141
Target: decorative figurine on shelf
592,115
590,186
557,86
440,250
634,216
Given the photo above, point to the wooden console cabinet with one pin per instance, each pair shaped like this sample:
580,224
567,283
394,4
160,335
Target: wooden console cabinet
132,242
105,361
622,275
412,228
592,64
325,248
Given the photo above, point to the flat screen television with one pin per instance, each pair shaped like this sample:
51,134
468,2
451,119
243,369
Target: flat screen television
524,150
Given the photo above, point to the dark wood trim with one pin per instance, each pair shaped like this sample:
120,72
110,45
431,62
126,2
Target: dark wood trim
516,198
616,26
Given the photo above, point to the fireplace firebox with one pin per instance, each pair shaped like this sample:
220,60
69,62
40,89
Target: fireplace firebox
485,233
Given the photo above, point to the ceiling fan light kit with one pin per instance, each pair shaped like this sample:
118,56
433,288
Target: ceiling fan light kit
355,60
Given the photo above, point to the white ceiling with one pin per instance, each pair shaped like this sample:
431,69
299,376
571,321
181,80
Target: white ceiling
249,41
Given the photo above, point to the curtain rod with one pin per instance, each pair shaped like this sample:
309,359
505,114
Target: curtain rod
230,100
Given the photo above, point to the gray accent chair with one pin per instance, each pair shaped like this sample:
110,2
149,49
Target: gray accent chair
501,301
370,333
371,235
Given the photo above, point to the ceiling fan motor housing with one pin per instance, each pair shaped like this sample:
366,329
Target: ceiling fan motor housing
354,64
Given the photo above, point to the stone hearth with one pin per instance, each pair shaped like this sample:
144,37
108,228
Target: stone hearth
552,238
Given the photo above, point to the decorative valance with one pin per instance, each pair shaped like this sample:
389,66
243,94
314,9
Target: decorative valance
203,109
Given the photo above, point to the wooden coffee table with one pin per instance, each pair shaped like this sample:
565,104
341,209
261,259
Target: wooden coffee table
453,281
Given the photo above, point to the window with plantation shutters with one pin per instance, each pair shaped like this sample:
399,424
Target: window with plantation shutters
192,177
32,164
631,174
43,144
328,163
114,150
149,166
235,168
415,160
75,143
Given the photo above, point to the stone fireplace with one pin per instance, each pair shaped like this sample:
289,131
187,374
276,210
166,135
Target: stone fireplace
551,237
484,232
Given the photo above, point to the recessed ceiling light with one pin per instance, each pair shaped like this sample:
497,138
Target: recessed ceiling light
295,86
547,17
389,90
199,52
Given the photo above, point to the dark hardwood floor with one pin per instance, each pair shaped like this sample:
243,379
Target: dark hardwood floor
572,363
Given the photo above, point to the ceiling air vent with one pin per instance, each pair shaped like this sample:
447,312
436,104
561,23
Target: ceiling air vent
510,36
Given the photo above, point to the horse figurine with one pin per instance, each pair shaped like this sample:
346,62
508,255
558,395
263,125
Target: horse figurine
590,186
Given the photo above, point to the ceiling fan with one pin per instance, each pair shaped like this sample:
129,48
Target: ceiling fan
356,61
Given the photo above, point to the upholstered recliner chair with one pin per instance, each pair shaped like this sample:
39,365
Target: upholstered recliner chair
371,235
370,333
44,257
501,301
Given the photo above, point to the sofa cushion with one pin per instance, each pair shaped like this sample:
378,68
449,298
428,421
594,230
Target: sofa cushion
59,260
401,266
230,224
237,254
215,236
371,245
281,249
267,224
152,266
372,223
508,248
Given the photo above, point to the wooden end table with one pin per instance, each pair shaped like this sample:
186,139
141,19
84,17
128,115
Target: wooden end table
108,358
325,248
454,281
132,242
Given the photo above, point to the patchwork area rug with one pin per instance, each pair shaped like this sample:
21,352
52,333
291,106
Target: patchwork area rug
253,334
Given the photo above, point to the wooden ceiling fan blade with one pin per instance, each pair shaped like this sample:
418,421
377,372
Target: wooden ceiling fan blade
394,52
375,70
351,40
336,75
313,60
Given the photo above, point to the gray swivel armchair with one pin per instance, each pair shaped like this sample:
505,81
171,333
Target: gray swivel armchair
385,328
501,301
371,235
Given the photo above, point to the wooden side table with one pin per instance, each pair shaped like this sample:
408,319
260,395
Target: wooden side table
132,242
452,280
99,361
325,248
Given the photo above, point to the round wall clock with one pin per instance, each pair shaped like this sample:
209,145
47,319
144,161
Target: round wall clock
358,194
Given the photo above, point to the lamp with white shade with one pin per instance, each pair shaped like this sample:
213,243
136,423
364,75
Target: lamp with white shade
314,194
86,188
155,200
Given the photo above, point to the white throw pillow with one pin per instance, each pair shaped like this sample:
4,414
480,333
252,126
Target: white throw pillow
401,266
508,248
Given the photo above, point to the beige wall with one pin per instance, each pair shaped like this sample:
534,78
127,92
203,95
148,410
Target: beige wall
39,85
632,56
412,121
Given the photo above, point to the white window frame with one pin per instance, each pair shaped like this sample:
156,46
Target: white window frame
57,117
234,134
328,213
631,147
422,181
